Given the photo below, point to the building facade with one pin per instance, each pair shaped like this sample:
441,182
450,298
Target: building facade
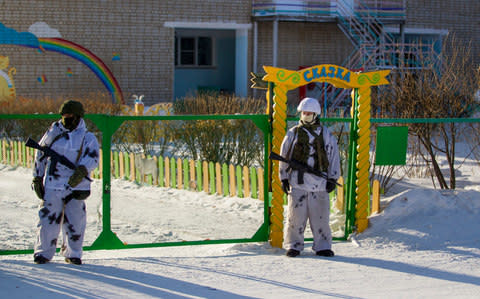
169,49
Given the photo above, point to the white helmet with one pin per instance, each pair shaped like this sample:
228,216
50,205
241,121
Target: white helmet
310,105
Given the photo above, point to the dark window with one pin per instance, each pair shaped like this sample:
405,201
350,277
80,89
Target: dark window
204,51
187,51
419,50
193,51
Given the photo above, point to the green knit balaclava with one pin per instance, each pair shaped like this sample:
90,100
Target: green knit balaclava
71,107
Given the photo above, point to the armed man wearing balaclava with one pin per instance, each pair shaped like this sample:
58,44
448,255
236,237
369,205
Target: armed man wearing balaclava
63,190
312,144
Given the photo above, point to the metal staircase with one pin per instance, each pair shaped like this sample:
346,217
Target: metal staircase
372,44
363,23
366,32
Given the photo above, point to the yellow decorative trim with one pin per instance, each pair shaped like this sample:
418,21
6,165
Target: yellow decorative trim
338,76
363,159
279,125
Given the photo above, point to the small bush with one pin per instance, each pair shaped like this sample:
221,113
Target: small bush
225,141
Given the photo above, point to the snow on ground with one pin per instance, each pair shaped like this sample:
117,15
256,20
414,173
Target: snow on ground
425,243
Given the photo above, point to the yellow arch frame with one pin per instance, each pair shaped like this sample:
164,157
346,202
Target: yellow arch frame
285,80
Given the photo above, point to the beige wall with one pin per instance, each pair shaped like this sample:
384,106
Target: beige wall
461,17
302,44
135,30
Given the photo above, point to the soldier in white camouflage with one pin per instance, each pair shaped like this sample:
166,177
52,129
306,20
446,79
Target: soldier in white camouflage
63,190
312,144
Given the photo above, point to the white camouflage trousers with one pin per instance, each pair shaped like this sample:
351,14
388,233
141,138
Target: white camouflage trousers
314,206
54,215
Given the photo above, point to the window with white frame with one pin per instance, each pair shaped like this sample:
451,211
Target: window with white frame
420,46
194,51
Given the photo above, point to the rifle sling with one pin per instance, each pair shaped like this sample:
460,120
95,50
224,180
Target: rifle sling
80,151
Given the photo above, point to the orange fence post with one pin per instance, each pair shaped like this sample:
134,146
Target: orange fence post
376,197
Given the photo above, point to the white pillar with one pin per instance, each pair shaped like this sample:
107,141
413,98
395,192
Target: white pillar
255,46
255,53
275,42
241,62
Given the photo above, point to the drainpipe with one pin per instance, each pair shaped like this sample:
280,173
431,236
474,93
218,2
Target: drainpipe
255,52
275,42
255,46
402,44
402,33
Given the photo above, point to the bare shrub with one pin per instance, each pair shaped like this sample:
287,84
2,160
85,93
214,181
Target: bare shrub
224,141
436,89
35,128
150,137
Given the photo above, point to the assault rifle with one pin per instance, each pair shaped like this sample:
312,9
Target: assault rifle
302,168
54,156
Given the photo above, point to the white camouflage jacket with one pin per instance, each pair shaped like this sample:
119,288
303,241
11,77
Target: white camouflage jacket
312,183
69,146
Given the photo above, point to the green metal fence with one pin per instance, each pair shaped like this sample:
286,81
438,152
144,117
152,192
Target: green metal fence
108,125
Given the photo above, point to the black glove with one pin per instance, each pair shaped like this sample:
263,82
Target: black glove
37,186
285,186
77,176
330,186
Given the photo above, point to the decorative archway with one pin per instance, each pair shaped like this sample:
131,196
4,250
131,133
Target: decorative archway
357,189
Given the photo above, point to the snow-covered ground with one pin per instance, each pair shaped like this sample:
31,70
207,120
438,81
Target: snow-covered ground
425,243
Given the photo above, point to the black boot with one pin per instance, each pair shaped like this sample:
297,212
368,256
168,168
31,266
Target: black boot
73,260
40,259
292,253
326,252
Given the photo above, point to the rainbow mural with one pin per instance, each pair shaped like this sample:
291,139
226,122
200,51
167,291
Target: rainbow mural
9,36
83,55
